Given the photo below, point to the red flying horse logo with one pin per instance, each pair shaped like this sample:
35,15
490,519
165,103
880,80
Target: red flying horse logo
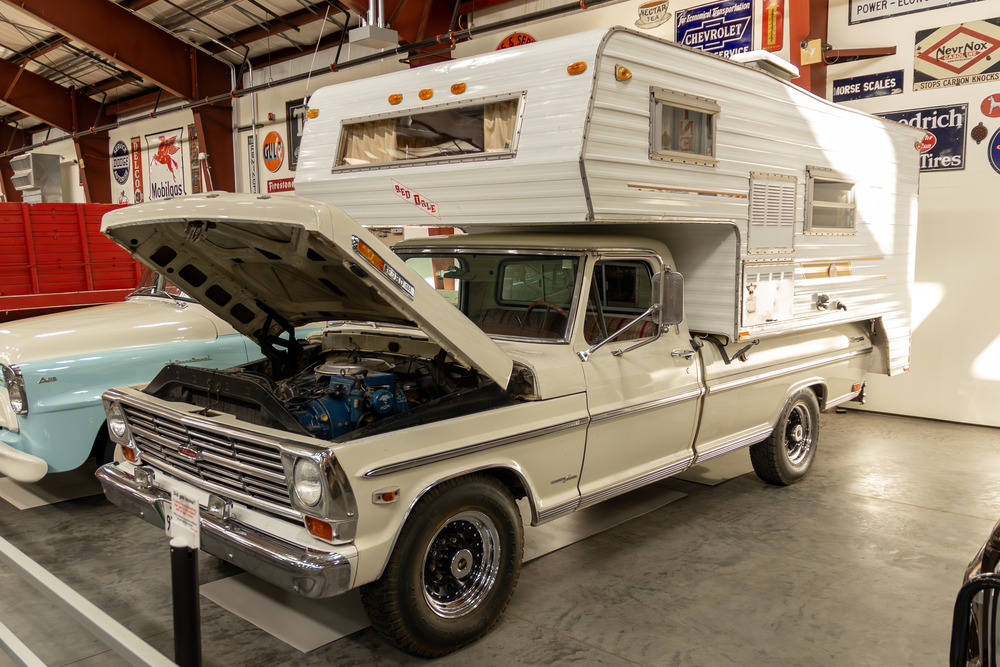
165,154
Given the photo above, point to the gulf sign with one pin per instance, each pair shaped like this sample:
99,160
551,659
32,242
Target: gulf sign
273,151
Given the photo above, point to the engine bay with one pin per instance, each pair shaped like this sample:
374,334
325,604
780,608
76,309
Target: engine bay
343,386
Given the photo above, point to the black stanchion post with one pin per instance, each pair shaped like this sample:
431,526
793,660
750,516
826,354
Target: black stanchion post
187,604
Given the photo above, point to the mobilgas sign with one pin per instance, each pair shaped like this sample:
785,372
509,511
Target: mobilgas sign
943,146
120,161
722,28
870,85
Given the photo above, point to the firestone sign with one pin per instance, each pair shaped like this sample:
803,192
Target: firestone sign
722,28
957,55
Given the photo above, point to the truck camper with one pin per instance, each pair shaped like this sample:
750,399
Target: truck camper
668,256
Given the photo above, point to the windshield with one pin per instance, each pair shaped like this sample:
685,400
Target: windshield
153,284
522,296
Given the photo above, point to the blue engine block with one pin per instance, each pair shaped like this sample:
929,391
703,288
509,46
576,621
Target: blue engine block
349,400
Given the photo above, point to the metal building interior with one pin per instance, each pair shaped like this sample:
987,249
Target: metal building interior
857,565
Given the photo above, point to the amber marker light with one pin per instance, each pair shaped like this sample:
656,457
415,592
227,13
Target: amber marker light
577,68
426,94
366,251
622,73
320,529
395,99
312,113
458,89
129,454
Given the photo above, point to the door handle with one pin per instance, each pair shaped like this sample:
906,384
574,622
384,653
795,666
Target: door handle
683,354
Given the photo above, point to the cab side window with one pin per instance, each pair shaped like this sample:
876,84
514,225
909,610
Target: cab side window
620,291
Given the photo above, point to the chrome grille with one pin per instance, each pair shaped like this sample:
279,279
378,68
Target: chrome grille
247,467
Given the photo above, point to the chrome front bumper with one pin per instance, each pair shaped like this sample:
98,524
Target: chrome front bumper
308,572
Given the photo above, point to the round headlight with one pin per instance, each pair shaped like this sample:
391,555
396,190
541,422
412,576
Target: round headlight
308,482
116,421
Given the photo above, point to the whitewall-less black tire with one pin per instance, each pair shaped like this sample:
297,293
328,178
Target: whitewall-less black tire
453,569
787,454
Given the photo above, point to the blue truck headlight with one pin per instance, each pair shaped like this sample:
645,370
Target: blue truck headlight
15,390
116,421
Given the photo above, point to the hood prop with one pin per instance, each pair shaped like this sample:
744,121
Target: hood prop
282,352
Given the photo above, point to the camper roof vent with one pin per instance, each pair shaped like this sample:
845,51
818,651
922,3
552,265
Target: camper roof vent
768,62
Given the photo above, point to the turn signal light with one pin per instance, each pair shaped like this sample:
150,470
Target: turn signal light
577,68
312,113
129,454
426,94
458,89
395,99
622,73
320,529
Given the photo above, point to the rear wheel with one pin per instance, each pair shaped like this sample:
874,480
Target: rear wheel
453,570
787,454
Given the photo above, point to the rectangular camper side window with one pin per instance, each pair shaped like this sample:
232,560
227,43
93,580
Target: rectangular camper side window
470,130
682,127
831,203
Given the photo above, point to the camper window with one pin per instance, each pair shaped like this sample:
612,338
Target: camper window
682,127
832,204
485,128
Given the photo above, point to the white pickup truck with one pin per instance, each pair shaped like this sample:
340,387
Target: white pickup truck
550,354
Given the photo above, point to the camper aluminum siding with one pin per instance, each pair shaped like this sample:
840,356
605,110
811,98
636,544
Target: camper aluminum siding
770,137
583,155
541,185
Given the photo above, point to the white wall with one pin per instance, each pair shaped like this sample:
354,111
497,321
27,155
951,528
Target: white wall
955,362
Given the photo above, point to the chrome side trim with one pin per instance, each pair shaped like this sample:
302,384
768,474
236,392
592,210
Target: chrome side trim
556,511
474,448
632,484
651,405
770,375
308,572
746,441
834,402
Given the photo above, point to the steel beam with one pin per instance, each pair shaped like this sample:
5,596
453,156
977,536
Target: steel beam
135,44
95,169
214,125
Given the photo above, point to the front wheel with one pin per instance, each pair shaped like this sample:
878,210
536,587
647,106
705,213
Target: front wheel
787,454
453,570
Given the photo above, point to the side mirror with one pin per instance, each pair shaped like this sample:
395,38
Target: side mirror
672,304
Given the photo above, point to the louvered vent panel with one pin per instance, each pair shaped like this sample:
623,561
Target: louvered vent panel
772,213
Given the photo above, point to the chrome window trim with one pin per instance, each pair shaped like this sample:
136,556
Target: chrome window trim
419,461
770,375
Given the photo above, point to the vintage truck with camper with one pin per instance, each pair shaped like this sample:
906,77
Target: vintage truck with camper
669,256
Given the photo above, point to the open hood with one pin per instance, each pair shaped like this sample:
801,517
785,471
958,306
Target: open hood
262,263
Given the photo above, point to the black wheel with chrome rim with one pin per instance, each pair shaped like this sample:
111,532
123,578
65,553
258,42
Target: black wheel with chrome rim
453,569
787,454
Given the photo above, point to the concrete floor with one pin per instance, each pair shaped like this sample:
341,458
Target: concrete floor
858,564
